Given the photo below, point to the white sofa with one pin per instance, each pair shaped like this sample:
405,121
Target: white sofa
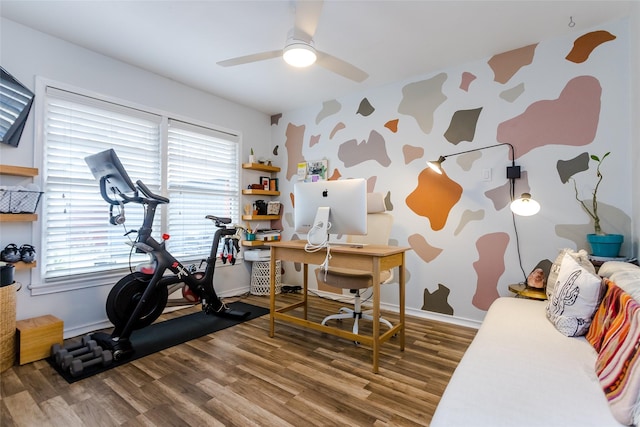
521,371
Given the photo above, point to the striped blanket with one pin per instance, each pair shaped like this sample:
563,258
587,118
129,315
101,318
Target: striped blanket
615,334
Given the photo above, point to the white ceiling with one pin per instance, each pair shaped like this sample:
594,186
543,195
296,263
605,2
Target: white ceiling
391,40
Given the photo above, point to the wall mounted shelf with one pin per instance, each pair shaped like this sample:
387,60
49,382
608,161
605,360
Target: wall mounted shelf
251,192
261,167
18,171
20,265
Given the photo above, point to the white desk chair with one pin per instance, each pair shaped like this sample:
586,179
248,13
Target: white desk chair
379,226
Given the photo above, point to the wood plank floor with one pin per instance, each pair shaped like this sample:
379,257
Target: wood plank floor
241,377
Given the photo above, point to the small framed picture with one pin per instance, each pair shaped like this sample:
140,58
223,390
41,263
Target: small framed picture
264,181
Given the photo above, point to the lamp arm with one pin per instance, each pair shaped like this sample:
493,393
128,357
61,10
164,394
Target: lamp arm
513,152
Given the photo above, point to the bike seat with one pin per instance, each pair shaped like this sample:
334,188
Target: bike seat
219,219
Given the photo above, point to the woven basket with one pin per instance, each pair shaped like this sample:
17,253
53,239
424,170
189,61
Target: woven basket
260,278
7,326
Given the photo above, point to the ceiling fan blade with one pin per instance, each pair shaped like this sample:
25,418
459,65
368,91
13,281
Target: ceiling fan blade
307,17
250,58
341,67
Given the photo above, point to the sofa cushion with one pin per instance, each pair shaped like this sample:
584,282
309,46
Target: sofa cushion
625,275
520,371
615,334
581,257
575,298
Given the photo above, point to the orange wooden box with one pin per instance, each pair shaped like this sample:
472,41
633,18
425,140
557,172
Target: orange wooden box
36,336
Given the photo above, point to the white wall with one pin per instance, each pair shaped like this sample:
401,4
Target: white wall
26,53
613,64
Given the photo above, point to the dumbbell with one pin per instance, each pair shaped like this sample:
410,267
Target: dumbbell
68,358
77,365
77,352
57,347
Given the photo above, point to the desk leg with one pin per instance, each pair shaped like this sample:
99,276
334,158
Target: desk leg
401,290
376,314
305,287
272,293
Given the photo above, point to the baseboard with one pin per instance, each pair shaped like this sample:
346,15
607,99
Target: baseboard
86,328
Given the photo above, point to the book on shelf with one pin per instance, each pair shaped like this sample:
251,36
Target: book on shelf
268,235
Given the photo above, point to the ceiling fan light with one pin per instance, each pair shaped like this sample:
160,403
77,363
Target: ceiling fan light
299,54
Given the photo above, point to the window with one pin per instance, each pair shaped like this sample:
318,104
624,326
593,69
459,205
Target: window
195,166
199,163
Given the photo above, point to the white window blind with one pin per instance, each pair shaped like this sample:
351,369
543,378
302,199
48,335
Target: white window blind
196,167
78,238
203,179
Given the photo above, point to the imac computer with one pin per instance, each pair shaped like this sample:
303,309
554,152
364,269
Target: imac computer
326,208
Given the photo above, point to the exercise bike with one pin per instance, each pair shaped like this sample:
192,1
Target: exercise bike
140,297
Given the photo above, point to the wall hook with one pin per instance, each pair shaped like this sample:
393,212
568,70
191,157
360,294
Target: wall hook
571,23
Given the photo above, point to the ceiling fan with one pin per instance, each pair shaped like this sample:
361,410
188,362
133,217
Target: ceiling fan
300,47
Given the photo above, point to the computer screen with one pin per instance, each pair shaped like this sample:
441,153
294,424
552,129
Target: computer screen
346,200
107,164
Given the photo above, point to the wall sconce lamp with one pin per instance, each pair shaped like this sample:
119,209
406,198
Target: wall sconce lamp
523,206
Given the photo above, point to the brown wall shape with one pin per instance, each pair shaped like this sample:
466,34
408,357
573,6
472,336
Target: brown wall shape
584,45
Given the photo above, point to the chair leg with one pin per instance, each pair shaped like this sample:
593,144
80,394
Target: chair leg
368,315
356,314
339,316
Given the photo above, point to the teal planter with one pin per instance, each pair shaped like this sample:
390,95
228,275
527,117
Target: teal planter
607,245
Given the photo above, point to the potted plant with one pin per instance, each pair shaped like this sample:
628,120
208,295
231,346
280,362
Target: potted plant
602,244
252,159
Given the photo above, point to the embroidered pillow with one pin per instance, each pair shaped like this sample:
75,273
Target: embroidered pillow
581,257
575,298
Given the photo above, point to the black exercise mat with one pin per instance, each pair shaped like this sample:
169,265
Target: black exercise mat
159,336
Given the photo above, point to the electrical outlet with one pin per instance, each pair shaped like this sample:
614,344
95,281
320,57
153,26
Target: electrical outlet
486,175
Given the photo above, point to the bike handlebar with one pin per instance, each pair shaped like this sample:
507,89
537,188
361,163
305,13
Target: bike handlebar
145,190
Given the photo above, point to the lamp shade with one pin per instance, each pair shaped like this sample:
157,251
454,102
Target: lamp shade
436,165
525,205
299,54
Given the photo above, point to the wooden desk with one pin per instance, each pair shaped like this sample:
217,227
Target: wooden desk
374,258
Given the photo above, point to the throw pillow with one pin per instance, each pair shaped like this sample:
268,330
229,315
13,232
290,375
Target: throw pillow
618,362
575,299
608,310
581,257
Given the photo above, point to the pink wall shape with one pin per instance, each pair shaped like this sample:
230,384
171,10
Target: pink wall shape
506,64
489,268
295,136
422,248
571,119
466,80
